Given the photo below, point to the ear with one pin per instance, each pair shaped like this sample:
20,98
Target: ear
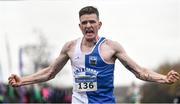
100,24
80,26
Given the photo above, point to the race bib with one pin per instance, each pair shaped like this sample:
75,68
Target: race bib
85,83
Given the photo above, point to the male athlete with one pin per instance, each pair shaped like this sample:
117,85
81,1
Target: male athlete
92,58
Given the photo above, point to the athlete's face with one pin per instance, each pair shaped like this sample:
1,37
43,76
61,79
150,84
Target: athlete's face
89,25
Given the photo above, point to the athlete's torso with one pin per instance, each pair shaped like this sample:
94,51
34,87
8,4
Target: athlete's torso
93,76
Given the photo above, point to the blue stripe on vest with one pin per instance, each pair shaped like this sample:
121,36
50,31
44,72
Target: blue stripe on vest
105,77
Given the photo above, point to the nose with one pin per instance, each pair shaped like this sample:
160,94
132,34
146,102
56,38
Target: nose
88,24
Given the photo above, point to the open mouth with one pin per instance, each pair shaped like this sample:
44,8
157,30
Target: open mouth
89,31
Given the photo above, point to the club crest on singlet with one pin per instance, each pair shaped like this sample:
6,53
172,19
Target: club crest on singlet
85,79
93,60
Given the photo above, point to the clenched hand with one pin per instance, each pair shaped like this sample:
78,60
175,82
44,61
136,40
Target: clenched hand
14,80
172,77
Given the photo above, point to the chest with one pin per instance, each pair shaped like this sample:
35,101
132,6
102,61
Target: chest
104,51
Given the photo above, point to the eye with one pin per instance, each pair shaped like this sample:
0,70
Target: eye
92,21
84,22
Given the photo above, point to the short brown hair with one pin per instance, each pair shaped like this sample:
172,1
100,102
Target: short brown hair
89,10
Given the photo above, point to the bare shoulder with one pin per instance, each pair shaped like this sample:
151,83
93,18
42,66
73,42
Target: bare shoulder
116,46
68,46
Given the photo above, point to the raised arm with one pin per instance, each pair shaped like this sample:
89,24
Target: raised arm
43,74
143,73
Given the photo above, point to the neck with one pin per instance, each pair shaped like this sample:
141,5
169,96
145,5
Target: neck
90,42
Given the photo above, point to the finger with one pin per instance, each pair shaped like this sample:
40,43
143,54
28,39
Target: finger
170,78
173,79
14,84
11,77
170,73
169,81
11,82
176,77
177,74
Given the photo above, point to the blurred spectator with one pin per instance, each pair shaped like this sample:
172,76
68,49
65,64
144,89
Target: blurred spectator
177,98
133,94
12,95
57,96
23,94
67,98
45,92
2,92
34,94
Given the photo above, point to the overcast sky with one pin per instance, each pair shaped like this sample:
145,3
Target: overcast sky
149,30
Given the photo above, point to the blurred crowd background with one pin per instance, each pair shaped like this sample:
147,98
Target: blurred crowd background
34,94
